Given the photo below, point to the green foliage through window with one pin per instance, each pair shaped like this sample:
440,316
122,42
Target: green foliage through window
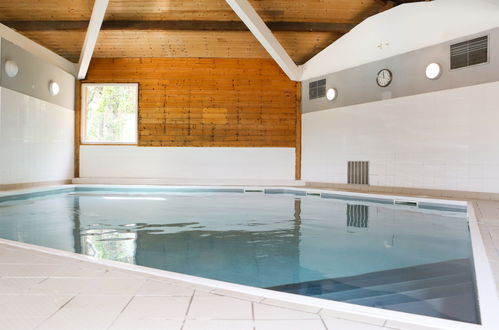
110,113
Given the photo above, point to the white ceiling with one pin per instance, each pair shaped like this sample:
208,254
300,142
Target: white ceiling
402,29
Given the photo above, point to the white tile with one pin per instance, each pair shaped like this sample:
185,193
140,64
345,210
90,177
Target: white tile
20,323
218,325
119,273
144,307
219,308
24,270
491,250
238,295
113,286
26,120
157,288
17,285
202,293
21,270
340,324
21,256
331,314
27,306
494,232
200,289
484,233
494,265
59,286
289,325
267,312
285,304
237,163
148,324
89,286
406,326
447,164
87,312
162,279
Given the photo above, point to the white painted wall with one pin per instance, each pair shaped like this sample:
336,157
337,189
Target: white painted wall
403,29
442,140
36,139
187,163
37,50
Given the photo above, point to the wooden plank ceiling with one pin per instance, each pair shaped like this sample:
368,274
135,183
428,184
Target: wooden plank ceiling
183,28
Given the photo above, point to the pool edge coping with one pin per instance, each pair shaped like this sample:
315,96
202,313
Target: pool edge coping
487,299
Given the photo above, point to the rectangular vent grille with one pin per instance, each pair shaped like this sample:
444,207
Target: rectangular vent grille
358,172
317,89
469,53
357,216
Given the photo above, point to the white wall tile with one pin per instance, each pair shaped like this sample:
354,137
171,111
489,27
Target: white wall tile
189,163
36,139
442,140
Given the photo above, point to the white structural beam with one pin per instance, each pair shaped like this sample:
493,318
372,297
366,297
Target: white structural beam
36,49
257,26
98,12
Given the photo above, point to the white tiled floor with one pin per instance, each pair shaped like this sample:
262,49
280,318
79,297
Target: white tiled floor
487,213
43,291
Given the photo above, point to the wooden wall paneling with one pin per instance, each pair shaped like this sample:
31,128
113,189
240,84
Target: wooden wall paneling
298,133
77,138
207,102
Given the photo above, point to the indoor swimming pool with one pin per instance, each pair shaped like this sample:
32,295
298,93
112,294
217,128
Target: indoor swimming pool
403,256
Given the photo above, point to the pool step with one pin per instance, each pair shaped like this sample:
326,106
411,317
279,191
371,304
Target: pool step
419,272
402,286
394,298
412,289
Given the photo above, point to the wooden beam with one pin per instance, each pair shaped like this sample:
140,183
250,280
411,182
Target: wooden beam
310,26
93,29
389,4
173,25
394,3
77,141
386,5
298,133
400,2
262,33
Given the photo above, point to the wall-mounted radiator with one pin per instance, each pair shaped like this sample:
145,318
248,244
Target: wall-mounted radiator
357,216
358,172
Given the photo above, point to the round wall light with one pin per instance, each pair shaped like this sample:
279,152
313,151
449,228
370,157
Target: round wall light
433,71
54,88
331,94
11,68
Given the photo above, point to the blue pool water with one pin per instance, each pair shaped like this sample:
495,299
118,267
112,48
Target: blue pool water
374,254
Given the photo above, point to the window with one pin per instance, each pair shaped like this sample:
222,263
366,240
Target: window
317,89
109,113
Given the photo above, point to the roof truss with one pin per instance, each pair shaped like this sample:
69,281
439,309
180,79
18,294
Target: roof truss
94,26
172,25
262,33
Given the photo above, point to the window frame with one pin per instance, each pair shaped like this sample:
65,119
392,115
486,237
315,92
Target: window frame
83,114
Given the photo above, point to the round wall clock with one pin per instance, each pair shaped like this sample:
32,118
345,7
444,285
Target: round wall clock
384,78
